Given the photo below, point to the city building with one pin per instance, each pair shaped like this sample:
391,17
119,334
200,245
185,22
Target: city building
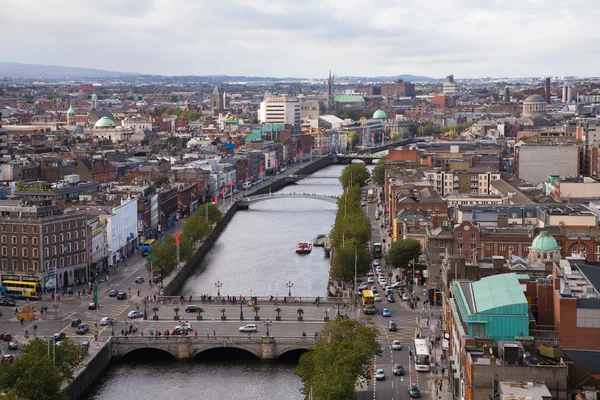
449,86
473,180
282,110
535,106
534,162
405,89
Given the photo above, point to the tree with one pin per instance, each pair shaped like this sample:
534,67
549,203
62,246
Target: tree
378,173
160,179
214,214
196,228
403,251
342,265
352,138
164,258
187,248
343,354
354,174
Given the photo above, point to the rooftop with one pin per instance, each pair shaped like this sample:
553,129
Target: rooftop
495,292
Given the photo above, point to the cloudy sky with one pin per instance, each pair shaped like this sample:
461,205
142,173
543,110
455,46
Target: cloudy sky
306,38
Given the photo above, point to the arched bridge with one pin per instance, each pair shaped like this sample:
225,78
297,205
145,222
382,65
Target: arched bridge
246,201
188,347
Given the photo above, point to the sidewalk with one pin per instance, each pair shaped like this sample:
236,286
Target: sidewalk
438,383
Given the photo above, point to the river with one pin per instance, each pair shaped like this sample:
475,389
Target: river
255,254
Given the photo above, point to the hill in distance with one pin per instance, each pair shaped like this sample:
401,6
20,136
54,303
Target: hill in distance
33,71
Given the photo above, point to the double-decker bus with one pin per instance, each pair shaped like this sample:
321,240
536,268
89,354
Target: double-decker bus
371,196
25,290
377,250
147,246
368,302
422,356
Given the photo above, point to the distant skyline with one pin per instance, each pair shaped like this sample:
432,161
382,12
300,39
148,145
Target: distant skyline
289,38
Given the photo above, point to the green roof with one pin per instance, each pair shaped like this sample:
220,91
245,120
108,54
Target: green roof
104,122
348,99
70,110
544,241
495,292
379,114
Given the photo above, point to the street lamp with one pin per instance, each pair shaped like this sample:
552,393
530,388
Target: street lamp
218,285
338,302
145,310
289,285
241,310
267,323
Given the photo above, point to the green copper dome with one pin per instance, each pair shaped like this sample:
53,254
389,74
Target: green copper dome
535,98
545,242
104,122
379,114
94,96
70,110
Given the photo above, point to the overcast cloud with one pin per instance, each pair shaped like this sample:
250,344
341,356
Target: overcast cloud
306,38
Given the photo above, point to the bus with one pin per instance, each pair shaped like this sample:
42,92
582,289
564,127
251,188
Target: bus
147,246
371,196
422,356
377,250
24,290
368,302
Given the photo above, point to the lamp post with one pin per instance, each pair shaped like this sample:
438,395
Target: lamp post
218,285
241,310
289,285
267,323
145,310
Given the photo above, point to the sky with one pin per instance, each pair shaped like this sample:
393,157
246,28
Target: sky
307,38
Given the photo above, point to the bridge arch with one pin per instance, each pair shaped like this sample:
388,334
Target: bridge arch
149,350
272,196
220,346
289,350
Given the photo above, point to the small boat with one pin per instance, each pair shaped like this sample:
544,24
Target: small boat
304,248
319,240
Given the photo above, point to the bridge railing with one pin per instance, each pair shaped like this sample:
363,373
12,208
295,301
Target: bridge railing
260,300
139,340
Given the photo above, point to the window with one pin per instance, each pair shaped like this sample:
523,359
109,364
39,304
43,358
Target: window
76,233
442,245
61,227
83,233
62,262
46,229
574,249
14,240
68,235
459,246
502,247
25,265
25,252
46,240
33,229
478,329
76,257
488,247
14,229
53,238
54,263
68,225
75,246
61,237
34,252
34,241
4,240
459,235
512,248
24,230
3,228
4,251
24,240
46,252
473,246
82,244
82,257
14,251
69,261
53,250
15,264
35,266
525,248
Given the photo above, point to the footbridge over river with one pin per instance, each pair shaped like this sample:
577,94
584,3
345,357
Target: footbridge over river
245,202
187,347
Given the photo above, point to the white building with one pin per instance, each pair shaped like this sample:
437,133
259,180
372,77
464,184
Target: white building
449,86
279,110
121,229
99,249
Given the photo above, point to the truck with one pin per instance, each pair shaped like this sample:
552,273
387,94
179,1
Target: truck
371,196
71,179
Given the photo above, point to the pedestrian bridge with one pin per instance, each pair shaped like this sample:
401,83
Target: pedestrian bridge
187,347
246,201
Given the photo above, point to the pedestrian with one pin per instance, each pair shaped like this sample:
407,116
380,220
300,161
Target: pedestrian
443,370
214,333
21,320
195,333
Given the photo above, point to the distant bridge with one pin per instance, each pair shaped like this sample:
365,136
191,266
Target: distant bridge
188,347
295,176
246,201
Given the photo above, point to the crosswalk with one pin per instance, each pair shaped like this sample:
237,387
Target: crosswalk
107,310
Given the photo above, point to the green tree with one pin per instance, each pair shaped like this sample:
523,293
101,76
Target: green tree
351,226
214,214
160,179
164,258
403,251
342,355
196,228
354,174
352,138
378,173
344,257
187,248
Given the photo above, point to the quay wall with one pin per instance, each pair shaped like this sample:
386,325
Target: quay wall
92,370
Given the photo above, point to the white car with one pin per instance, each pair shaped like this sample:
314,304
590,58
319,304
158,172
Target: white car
405,296
376,263
396,345
107,321
184,327
377,297
379,375
370,273
370,280
378,268
249,328
135,314
382,282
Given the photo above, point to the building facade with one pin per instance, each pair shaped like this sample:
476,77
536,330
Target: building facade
282,110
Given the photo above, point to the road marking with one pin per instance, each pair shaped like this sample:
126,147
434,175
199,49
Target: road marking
69,316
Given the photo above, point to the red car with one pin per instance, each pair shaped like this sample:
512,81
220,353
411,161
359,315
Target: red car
7,358
7,337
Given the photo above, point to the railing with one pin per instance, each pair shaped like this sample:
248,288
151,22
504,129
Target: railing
261,300
130,340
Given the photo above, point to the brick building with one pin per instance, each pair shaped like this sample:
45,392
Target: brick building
101,171
397,89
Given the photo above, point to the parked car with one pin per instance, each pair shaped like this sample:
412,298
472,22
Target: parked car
92,306
81,329
405,296
370,280
376,263
7,302
191,308
377,297
75,322
396,345
374,289
122,296
370,273
391,298
8,358
398,369
13,345
59,336
249,328
386,313
379,375
107,321
135,314
414,392
139,279
113,293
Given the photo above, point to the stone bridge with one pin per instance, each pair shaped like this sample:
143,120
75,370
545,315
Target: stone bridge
246,201
187,347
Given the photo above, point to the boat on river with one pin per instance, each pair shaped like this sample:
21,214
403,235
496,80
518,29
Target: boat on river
319,240
304,248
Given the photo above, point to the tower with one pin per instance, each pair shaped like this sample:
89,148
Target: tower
329,86
94,101
70,116
547,92
225,102
506,94
215,101
564,94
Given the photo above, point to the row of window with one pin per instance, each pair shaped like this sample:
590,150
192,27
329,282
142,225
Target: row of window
66,248
24,240
35,265
459,235
33,228
34,240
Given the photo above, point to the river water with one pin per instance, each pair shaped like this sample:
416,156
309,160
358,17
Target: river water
255,254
